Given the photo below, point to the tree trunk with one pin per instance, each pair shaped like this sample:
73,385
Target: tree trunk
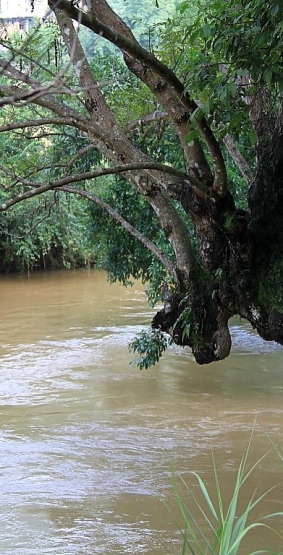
232,261
240,271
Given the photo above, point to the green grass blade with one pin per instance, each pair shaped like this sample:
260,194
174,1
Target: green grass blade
242,519
206,496
202,511
192,526
220,531
235,546
218,489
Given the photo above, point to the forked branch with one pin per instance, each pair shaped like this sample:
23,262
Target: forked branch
134,50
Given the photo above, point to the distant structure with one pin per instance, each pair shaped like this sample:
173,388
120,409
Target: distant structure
19,15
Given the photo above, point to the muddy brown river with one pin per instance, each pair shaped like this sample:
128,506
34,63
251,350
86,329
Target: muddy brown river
89,445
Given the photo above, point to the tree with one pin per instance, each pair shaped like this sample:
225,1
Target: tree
222,100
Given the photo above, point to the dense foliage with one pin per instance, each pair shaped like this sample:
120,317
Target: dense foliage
47,234
143,18
58,233
174,141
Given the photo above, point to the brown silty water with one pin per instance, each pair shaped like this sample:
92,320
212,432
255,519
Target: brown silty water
89,445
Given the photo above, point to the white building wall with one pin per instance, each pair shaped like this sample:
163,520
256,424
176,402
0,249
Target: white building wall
22,8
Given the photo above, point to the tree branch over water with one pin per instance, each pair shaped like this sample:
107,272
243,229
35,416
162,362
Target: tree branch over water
128,227
179,188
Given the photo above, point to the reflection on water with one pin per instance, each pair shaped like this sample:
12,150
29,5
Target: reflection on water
88,443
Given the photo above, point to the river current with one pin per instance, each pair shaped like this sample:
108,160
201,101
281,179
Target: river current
90,446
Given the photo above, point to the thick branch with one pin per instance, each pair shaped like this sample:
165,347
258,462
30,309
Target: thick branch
134,50
172,224
93,98
93,129
166,96
34,123
151,183
76,178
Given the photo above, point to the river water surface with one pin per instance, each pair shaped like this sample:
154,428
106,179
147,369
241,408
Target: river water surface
89,444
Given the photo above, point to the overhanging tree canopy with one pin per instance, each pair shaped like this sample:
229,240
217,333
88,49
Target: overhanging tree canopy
223,99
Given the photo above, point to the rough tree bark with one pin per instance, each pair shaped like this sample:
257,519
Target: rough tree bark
237,266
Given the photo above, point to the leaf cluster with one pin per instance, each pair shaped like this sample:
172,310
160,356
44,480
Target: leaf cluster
45,233
119,253
228,51
150,345
249,34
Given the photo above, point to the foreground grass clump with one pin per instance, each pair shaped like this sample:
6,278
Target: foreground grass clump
220,530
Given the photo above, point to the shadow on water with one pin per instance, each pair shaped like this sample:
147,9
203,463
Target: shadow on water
88,443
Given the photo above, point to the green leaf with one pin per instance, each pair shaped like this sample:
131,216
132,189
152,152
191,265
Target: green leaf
206,496
267,75
274,9
208,106
190,136
252,137
149,344
197,114
207,30
183,7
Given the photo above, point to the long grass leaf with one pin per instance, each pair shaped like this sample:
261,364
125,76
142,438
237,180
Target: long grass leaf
197,532
221,531
218,489
186,544
206,496
203,513
182,532
271,515
233,529
242,519
188,519
235,546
